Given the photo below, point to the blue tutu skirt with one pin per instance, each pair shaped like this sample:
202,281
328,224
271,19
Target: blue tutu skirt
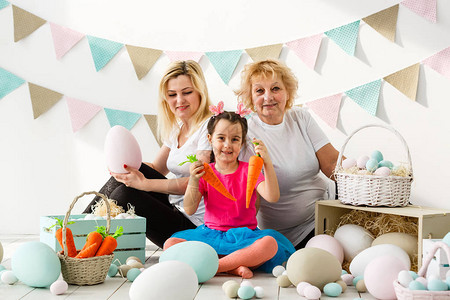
226,242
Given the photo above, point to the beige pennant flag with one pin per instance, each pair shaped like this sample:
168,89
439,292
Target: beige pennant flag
406,80
143,59
385,22
265,52
152,123
25,23
42,99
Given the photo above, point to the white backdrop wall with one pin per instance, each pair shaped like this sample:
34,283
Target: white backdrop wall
45,165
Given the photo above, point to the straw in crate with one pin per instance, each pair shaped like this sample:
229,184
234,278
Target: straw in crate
85,271
373,190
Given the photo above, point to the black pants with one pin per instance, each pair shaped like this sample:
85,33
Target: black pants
163,219
302,244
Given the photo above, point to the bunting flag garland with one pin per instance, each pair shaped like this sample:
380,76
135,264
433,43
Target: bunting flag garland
8,82
424,8
406,80
153,124
345,36
327,108
102,50
366,96
143,59
42,99
177,55
25,23
3,4
440,62
384,22
80,112
64,39
265,52
124,118
307,49
225,62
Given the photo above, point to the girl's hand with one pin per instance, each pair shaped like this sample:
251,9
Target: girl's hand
196,170
134,178
261,149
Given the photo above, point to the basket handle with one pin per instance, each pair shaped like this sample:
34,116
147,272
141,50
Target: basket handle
390,128
66,218
426,262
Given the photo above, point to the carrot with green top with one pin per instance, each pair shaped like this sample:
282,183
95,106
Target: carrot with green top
210,177
94,237
71,249
255,165
109,244
88,251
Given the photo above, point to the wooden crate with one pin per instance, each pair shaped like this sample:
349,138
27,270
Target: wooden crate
131,243
431,222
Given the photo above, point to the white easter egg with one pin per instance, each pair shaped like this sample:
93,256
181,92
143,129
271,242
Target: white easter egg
8,277
361,161
312,292
301,287
404,278
354,239
278,270
349,163
382,171
59,287
259,292
89,217
121,148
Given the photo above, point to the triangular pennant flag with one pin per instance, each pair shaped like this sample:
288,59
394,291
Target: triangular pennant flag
327,108
152,123
81,112
440,62
225,62
102,50
25,23
8,82
177,55
345,36
265,52
3,4
143,59
64,39
42,99
119,117
385,22
366,96
307,49
424,8
406,80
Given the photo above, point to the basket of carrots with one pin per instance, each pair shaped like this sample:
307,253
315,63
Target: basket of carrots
89,265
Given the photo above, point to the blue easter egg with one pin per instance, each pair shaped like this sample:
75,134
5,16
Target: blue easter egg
377,155
113,269
246,292
371,165
2,268
200,256
413,274
446,239
356,279
386,163
344,272
416,286
133,273
332,289
36,264
437,285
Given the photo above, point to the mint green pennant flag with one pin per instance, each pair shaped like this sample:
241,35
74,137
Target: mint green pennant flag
119,117
345,36
8,82
102,50
225,62
366,96
3,4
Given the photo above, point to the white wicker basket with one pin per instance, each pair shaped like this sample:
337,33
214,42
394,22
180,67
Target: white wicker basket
372,190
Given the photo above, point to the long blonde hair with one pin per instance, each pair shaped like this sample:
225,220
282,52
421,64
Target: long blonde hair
166,118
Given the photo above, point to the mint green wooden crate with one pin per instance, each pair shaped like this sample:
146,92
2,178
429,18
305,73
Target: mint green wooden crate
131,243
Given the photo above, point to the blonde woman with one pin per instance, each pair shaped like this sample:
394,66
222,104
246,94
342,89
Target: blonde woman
183,112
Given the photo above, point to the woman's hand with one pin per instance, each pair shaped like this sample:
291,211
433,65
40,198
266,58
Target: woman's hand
134,178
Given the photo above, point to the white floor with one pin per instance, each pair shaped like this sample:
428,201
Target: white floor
117,288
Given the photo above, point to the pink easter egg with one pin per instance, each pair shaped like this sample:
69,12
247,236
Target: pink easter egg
349,163
312,292
328,243
121,148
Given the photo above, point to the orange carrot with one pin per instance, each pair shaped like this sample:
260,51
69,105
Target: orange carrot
71,249
109,244
255,165
210,177
94,237
88,251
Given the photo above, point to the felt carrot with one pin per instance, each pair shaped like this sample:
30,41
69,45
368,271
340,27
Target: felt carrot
88,251
109,244
255,165
71,249
95,237
210,177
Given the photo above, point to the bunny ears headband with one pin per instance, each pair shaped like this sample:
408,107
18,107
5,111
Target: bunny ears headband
217,110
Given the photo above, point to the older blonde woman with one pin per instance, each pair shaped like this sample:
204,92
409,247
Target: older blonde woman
183,111
298,147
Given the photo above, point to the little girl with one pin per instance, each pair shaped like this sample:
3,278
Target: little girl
231,228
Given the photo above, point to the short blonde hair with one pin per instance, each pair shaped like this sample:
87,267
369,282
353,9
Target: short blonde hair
266,68
166,118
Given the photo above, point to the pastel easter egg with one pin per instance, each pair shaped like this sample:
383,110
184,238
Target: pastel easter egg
259,292
437,285
246,292
113,269
416,286
349,163
382,171
404,278
59,287
407,242
312,292
278,270
361,161
354,239
283,281
377,155
301,287
121,148
446,239
133,273
8,277
347,278
231,288
327,243
372,165
361,286
332,289
387,164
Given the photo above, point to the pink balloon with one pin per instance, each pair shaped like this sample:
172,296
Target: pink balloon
121,148
328,243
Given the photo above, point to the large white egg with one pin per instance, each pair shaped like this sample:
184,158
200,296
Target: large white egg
121,148
354,239
360,262
327,243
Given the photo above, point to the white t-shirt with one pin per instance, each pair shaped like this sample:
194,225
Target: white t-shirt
292,146
196,142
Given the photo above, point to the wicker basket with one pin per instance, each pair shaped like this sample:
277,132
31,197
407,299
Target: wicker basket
85,271
404,293
372,190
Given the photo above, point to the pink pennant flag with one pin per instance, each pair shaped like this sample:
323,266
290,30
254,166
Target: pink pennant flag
81,112
307,49
327,108
424,8
64,39
440,62
176,55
